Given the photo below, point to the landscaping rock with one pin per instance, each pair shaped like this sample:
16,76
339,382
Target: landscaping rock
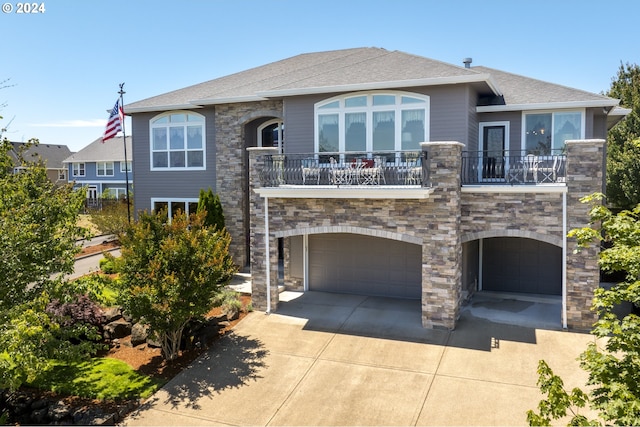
117,329
58,410
112,314
39,416
139,334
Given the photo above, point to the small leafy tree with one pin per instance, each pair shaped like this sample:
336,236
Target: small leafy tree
171,273
613,361
38,234
112,218
210,203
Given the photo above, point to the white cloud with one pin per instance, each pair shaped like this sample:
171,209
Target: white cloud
94,123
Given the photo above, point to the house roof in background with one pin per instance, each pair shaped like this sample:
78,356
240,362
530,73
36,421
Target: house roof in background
52,154
366,69
110,151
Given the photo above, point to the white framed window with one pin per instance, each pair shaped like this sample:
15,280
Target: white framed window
104,168
125,166
372,122
173,205
78,169
177,141
271,134
115,193
544,132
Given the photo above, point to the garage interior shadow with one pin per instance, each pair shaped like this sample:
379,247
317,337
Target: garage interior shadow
484,321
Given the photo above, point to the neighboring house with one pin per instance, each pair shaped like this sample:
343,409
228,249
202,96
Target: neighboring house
51,154
398,176
100,168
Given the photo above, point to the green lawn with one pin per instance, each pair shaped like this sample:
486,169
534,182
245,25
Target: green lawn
100,378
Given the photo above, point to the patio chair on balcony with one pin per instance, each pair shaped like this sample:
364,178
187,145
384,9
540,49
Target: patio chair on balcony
550,173
531,163
413,172
310,171
339,174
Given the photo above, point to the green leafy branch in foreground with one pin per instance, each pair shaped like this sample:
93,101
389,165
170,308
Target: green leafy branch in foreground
613,361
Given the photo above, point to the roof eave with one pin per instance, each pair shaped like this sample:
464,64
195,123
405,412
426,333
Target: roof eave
437,81
228,100
159,108
548,106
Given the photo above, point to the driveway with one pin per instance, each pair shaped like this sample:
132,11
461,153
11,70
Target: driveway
328,359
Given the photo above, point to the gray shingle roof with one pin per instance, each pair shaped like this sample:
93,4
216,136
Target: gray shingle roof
518,90
110,151
359,69
52,154
311,70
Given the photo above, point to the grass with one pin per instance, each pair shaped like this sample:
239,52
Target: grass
98,378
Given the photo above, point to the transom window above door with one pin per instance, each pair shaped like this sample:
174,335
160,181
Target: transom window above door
271,134
372,122
177,141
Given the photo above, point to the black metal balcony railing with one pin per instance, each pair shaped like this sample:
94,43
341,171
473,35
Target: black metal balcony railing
346,169
395,168
513,167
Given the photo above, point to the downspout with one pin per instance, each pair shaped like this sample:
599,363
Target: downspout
564,260
268,252
305,261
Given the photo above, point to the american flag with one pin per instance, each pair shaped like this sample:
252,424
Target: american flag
114,125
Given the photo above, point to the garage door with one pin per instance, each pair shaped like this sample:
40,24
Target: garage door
365,265
521,265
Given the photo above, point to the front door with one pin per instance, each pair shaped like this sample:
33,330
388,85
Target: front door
493,159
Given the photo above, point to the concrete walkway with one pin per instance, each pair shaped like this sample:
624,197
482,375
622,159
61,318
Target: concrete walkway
327,359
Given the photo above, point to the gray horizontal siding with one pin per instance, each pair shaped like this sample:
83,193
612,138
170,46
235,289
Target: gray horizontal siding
449,116
169,184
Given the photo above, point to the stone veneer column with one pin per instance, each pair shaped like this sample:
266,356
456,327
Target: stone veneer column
259,259
442,248
585,175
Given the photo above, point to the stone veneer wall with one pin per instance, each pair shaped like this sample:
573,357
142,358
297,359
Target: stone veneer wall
442,222
434,221
585,175
231,183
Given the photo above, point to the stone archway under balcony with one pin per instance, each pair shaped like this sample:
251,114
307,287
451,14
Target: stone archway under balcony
353,260
514,270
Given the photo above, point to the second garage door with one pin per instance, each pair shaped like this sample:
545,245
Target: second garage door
365,265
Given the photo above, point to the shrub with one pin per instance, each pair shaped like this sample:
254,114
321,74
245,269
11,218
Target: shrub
83,309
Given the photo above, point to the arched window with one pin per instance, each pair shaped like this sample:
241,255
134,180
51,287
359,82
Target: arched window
271,134
177,141
372,122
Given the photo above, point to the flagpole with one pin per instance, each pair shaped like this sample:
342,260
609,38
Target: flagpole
126,166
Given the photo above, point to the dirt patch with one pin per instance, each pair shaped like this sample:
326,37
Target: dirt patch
96,249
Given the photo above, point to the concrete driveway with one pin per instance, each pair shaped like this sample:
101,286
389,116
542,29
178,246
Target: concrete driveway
327,359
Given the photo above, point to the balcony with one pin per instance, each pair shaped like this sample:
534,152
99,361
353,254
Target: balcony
346,170
513,167
403,174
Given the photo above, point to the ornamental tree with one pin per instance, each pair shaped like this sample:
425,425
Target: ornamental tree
171,273
613,361
38,235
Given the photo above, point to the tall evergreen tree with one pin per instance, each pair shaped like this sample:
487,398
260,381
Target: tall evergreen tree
623,158
210,203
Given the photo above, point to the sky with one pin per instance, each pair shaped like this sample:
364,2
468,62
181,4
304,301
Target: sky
62,66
